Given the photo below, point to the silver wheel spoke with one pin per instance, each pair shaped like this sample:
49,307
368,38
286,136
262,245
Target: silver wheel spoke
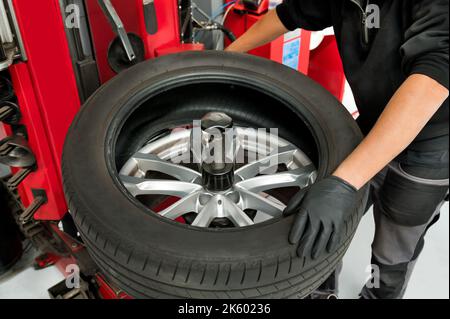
139,186
300,177
236,215
284,155
185,205
151,162
257,202
207,214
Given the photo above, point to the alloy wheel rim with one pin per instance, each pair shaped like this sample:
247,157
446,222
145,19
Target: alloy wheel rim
170,166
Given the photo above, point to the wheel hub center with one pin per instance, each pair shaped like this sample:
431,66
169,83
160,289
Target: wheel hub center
217,164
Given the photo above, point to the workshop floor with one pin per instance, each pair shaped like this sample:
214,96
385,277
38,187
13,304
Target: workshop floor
430,279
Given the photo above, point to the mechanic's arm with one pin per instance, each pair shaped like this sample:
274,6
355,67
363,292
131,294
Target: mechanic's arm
324,208
264,31
405,116
310,15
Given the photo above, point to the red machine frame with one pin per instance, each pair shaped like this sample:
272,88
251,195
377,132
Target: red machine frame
166,40
47,91
46,87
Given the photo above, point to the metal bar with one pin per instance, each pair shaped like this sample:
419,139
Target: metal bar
5,29
15,25
118,27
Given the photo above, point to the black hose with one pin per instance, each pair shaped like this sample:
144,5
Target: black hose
229,34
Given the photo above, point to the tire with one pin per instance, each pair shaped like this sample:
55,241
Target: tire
153,257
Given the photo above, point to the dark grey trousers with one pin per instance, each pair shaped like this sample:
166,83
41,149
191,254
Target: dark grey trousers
407,197
406,203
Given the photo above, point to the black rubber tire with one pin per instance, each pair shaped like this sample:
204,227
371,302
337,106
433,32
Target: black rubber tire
152,257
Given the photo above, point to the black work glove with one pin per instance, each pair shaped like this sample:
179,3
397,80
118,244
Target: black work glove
322,210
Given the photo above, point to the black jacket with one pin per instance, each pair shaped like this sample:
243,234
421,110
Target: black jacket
412,39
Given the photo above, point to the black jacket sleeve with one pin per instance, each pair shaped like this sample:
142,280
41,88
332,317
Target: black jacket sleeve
313,15
425,50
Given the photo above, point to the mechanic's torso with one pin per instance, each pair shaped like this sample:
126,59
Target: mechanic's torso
373,61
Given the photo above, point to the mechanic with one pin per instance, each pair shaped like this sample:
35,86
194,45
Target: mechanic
399,77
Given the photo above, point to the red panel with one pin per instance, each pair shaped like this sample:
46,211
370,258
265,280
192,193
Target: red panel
304,58
262,8
326,67
50,67
47,176
102,33
179,48
47,92
237,22
168,32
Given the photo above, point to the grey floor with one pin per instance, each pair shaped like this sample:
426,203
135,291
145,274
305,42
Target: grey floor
430,279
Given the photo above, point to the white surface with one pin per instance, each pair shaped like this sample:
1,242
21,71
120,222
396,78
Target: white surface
30,284
23,282
348,100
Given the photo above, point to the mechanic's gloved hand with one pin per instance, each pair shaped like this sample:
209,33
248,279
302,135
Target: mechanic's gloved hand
322,210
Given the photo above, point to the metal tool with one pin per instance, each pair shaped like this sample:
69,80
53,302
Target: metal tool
118,27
